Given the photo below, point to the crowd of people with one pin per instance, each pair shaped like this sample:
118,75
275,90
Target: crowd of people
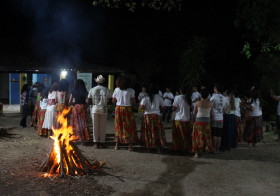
201,121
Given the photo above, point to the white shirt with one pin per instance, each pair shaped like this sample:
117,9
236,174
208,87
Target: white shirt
154,107
219,102
167,102
44,104
257,110
99,95
123,97
195,95
182,112
141,96
237,107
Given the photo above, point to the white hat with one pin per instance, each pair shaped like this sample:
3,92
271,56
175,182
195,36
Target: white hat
100,79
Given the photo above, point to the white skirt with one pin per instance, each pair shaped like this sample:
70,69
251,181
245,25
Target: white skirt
49,117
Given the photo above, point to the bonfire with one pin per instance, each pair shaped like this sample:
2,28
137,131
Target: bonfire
65,157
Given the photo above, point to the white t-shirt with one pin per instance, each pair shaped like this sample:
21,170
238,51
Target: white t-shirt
123,97
99,95
195,95
278,107
257,110
44,104
167,102
237,107
141,96
154,107
219,102
182,112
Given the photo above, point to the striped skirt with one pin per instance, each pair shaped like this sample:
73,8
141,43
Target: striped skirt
152,131
125,125
80,118
41,131
201,137
181,136
253,131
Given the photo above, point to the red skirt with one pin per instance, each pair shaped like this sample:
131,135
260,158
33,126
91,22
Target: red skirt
41,118
125,125
201,137
152,131
35,114
181,136
80,118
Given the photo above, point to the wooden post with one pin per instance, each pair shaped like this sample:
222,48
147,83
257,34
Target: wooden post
111,83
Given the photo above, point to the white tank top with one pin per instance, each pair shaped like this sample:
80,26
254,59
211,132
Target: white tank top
203,112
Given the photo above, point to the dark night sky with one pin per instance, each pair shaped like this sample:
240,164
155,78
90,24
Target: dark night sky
76,30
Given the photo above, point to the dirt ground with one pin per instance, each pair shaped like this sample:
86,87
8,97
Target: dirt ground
242,171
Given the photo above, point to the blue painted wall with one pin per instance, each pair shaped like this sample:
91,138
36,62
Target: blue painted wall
14,86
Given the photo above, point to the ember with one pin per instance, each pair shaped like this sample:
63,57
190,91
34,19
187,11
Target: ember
65,157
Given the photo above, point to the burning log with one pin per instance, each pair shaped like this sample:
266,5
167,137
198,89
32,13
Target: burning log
65,157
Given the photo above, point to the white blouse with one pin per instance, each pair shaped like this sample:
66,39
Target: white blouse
123,97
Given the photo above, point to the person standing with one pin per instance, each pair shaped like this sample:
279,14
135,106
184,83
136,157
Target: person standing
141,95
253,132
277,98
50,115
201,136
229,134
99,96
42,111
152,129
80,115
195,95
125,125
181,128
219,103
24,104
168,97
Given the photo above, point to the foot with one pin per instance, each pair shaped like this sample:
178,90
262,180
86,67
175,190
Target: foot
130,148
117,147
196,155
95,145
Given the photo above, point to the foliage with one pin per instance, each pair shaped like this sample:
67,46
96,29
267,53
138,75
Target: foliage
192,63
131,5
259,20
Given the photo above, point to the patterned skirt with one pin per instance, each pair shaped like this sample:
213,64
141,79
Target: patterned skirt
240,128
140,112
201,137
253,130
181,136
152,131
40,130
80,117
35,114
125,125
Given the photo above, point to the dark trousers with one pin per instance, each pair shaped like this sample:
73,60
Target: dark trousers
24,109
167,110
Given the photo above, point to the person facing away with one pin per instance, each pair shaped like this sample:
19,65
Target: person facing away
24,104
100,96
168,97
219,103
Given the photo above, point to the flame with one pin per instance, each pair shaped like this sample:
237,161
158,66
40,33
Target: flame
62,136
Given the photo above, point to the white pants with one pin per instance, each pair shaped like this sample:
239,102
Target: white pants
99,127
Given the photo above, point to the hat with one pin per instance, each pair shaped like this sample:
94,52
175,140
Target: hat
100,79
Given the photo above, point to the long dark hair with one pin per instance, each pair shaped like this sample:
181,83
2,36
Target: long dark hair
255,94
80,87
124,82
231,100
152,91
25,87
44,93
53,87
63,85
184,91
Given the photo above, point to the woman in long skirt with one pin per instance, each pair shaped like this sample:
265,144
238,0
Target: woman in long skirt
201,137
42,111
50,115
152,130
80,114
125,125
181,128
141,95
253,132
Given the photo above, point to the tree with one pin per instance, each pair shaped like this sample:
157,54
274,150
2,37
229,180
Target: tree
131,5
192,63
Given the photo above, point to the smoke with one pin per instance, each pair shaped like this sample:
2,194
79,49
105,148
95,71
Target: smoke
61,28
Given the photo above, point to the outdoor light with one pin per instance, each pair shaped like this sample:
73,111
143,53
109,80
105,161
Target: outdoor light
63,74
